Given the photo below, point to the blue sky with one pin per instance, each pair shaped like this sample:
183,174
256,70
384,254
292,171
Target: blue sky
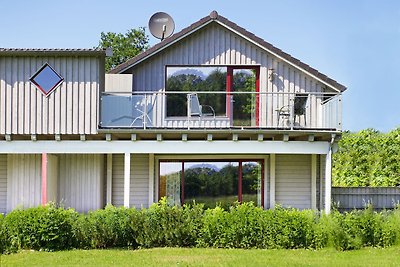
354,42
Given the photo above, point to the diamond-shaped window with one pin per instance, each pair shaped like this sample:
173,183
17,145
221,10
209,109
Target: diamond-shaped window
46,79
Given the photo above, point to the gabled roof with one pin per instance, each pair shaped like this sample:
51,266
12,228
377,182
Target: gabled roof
214,16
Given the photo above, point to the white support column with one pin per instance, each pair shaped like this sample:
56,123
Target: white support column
272,181
314,181
109,179
328,181
127,179
151,179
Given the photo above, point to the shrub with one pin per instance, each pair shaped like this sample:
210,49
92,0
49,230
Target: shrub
2,236
163,225
241,226
41,228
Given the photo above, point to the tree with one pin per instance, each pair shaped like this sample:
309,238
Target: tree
124,46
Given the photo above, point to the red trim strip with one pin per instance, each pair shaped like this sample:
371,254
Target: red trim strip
257,96
229,88
44,178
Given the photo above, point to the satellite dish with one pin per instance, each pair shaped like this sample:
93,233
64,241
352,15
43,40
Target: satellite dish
161,25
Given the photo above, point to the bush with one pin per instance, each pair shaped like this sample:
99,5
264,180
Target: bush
163,225
41,228
242,226
2,236
105,228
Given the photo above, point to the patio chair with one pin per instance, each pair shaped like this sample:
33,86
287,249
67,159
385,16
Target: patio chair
196,110
294,110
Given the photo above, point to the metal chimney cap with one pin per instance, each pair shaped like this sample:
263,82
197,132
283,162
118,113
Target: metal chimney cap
214,14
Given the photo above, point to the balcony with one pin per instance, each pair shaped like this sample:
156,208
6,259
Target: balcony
221,110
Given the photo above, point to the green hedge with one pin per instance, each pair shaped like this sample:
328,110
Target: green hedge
242,226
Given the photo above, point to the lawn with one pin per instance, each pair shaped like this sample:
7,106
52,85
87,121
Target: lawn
206,257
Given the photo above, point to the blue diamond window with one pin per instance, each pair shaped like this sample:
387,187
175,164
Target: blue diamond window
46,79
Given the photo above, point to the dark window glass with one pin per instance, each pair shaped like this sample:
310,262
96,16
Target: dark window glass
251,182
196,79
211,183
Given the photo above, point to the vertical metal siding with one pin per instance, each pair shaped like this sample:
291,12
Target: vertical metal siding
23,180
70,109
293,181
215,45
139,194
118,180
3,183
348,198
139,184
81,181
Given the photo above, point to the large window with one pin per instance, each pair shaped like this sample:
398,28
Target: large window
195,79
212,182
230,91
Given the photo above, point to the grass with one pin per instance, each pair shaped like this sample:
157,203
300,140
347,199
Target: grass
206,257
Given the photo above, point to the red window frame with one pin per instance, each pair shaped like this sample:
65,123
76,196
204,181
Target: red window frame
240,174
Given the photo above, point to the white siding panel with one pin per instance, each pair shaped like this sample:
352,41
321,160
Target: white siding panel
139,195
81,181
3,183
24,109
23,180
118,180
293,181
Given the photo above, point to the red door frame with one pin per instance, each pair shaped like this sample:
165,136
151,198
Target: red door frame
229,89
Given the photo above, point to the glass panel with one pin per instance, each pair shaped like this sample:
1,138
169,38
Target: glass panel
244,80
170,182
251,182
196,79
46,79
211,183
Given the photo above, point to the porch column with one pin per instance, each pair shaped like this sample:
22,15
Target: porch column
44,178
109,179
127,179
328,181
49,178
151,179
272,182
314,181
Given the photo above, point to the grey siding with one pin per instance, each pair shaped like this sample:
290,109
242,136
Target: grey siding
81,181
23,180
139,194
3,183
216,45
71,109
118,180
348,198
293,181
139,181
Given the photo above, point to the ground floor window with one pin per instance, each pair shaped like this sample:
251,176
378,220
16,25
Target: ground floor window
212,182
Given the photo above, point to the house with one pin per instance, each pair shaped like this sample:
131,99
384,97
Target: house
212,114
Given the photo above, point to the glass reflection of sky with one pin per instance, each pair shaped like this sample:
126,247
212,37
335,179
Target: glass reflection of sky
47,79
173,167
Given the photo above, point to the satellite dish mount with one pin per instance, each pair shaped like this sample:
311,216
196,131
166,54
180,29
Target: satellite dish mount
161,25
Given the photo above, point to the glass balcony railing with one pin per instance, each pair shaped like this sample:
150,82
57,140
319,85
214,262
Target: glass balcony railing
185,110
